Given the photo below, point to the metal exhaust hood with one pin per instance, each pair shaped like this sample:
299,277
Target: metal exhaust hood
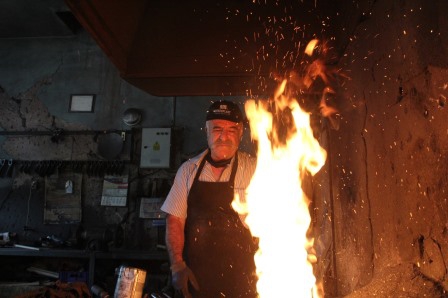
203,47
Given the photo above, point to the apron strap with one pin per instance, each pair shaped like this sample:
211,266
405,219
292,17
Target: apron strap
232,174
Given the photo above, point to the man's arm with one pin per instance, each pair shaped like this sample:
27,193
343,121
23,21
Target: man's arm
175,238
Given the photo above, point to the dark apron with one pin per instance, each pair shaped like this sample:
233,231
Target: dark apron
218,248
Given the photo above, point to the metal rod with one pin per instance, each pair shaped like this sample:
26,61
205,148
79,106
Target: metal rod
61,132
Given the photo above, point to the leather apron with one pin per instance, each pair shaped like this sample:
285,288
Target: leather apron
218,248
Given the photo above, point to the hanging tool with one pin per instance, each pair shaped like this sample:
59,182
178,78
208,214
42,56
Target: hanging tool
2,165
9,169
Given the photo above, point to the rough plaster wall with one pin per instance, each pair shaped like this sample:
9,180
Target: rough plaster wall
27,112
390,154
59,67
37,77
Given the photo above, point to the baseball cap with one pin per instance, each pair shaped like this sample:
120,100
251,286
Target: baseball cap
225,110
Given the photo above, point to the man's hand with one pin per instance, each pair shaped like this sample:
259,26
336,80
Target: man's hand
181,276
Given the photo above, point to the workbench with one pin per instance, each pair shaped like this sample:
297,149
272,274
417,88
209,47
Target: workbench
91,257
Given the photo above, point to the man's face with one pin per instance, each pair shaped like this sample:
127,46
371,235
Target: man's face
223,138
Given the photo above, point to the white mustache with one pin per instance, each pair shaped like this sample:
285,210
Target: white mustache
226,145
230,144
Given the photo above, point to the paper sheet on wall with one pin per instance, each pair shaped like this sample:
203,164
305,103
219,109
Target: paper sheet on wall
115,191
150,208
61,205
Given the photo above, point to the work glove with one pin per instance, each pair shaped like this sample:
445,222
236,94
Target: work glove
181,276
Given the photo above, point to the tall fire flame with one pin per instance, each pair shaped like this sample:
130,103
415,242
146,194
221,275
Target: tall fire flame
275,206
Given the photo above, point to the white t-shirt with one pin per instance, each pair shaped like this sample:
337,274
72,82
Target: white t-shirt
176,201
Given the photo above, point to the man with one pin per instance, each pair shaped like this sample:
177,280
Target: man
210,249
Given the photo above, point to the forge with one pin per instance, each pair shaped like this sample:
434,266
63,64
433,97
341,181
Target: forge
379,205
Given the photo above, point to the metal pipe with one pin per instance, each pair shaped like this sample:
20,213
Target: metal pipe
61,132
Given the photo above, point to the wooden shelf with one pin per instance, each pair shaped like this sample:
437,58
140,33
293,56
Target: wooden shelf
44,252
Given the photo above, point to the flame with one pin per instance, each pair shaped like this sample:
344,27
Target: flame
275,206
311,46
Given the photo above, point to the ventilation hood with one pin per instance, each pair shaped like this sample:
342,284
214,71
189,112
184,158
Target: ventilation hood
203,47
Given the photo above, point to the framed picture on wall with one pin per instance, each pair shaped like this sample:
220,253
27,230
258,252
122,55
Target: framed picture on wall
82,103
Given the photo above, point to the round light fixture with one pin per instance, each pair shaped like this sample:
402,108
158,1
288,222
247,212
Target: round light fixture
132,117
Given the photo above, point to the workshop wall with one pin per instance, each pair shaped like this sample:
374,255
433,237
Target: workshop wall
37,78
386,228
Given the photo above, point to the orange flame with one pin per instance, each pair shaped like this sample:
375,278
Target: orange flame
275,206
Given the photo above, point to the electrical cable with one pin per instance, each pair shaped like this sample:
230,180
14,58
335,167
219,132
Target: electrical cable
32,185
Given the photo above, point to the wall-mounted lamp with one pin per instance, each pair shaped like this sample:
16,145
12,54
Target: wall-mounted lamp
132,116
82,103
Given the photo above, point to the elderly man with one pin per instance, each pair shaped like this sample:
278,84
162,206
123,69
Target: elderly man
210,249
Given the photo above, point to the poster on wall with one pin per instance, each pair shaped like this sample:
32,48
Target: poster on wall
115,191
63,199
